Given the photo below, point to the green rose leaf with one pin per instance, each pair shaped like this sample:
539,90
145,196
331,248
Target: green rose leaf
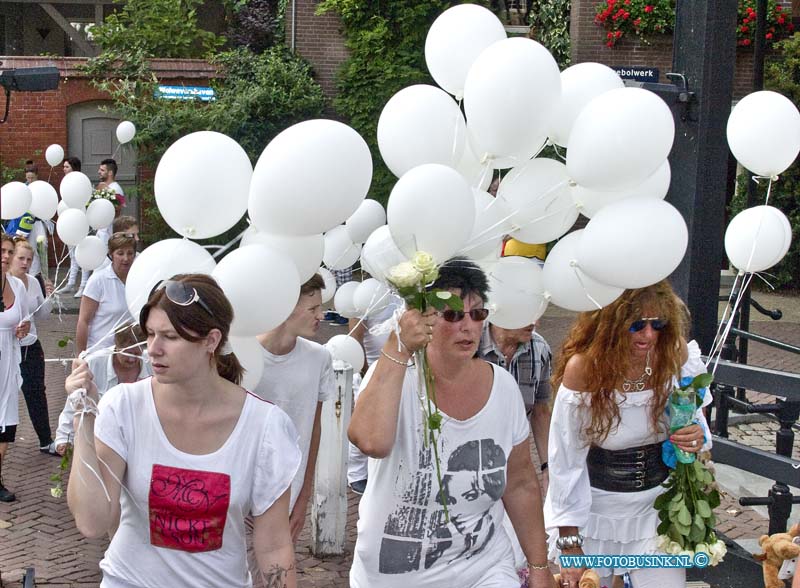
713,499
684,530
703,509
662,501
663,528
684,518
702,381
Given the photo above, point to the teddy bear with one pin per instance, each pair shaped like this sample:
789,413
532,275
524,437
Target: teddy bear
777,548
589,579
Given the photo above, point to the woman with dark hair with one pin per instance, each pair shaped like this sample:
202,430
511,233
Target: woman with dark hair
71,164
184,456
405,535
615,373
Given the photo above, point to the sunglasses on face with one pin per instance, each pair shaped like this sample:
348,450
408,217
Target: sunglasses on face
455,316
181,293
655,322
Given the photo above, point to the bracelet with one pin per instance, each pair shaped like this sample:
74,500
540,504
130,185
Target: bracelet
543,467
570,541
395,360
535,567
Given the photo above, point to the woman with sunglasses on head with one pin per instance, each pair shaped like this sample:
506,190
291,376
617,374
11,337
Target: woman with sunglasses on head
184,457
405,538
615,372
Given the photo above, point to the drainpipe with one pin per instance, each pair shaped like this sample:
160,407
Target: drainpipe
292,42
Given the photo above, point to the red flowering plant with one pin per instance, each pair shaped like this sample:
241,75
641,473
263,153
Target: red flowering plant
779,23
634,17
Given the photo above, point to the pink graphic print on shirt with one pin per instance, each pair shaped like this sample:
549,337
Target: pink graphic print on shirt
188,508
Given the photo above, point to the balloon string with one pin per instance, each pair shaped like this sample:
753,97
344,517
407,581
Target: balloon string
583,286
229,244
724,315
370,307
558,153
729,324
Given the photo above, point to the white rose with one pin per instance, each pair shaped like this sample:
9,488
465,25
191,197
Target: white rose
673,548
404,275
701,547
686,552
423,262
56,492
717,550
40,239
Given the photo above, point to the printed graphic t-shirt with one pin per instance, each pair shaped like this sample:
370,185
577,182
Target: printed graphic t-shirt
182,516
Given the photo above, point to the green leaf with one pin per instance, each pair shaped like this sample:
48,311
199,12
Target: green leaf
663,515
703,508
711,521
682,529
702,381
663,528
713,499
684,518
435,421
662,501
436,302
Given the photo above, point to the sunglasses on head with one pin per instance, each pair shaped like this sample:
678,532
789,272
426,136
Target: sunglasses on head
181,293
455,316
655,322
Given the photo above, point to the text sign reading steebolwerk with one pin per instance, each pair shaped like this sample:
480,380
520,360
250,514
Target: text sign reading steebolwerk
203,93
634,72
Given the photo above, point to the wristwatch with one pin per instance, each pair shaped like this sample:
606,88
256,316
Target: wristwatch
570,541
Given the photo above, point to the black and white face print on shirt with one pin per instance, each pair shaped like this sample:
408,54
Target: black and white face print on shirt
417,537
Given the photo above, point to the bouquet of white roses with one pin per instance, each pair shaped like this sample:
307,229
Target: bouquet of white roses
104,194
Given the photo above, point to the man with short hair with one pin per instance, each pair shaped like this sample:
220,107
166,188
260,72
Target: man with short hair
107,174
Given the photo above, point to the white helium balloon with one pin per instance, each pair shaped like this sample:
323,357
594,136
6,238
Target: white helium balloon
202,183
62,206
347,349
369,216
567,285
492,223
420,124
161,261
76,189
15,200
431,209
371,297
633,243
380,254
757,238
100,213
764,132
343,300
310,178
72,226
54,154
619,139
509,94
249,353
455,40
538,193
262,285
44,200
477,174
580,83
330,284
304,250
91,252
340,252
656,186
126,131
516,292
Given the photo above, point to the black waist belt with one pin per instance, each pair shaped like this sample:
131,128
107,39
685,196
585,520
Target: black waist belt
626,470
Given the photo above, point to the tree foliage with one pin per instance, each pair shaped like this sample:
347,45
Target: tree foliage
549,21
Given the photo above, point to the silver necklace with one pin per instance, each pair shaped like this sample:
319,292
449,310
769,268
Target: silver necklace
638,384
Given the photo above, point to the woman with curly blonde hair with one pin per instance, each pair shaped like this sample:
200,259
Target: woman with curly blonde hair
614,376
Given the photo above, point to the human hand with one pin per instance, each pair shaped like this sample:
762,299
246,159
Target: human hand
416,329
61,448
571,577
23,329
537,577
689,439
48,287
81,377
298,517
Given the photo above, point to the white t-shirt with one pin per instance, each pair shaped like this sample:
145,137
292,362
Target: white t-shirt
296,382
182,516
105,287
36,300
403,539
10,356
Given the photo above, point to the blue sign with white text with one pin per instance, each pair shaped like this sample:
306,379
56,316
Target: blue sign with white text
637,73
203,93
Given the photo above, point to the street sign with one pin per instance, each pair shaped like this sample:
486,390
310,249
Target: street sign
638,73
203,93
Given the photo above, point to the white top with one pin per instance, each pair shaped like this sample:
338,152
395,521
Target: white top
101,364
296,382
36,300
10,356
613,523
182,515
403,539
374,343
105,287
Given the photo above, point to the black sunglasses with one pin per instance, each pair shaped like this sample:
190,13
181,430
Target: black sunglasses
181,293
655,322
455,316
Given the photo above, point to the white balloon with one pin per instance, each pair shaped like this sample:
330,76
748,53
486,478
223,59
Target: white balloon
619,139
371,297
54,154
509,94
62,206
380,254
579,84
492,223
91,252
455,40
633,243
76,189
310,178
126,131
340,252
161,261
249,353
330,284
516,289
304,250
567,285
345,348
538,193
15,200
757,238
262,285
100,213
764,132
202,184
343,300
44,200
477,174
431,209
656,186
72,226
420,124
369,216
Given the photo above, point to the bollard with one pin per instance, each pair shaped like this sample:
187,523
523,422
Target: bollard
329,507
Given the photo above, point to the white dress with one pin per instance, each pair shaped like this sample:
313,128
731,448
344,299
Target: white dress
10,377
613,523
